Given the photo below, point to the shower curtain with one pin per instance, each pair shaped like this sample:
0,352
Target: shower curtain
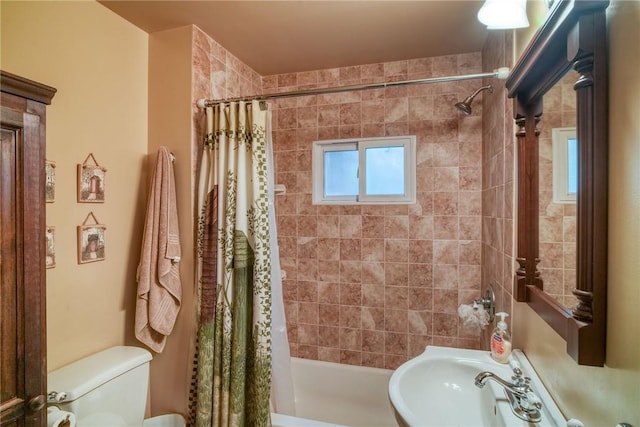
238,274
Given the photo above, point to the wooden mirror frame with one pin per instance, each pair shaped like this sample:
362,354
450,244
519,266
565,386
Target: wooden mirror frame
573,36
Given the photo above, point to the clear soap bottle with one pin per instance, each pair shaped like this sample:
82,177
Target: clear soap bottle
501,340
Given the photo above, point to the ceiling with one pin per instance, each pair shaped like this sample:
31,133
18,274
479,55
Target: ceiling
276,37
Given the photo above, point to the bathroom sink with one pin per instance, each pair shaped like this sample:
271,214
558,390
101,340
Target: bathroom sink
437,388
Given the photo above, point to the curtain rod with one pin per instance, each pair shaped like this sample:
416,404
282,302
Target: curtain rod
500,73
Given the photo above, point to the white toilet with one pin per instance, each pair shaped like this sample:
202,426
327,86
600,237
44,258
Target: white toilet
106,389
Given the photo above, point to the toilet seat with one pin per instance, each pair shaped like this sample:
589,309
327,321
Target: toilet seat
169,420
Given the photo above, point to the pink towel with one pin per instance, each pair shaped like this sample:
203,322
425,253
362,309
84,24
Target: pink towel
159,287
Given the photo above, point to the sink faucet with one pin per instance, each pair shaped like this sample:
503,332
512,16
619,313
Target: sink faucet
524,402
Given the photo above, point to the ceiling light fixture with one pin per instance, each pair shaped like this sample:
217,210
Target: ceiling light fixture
504,14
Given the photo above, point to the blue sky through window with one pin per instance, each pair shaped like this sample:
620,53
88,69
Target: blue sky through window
572,165
365,171
384,170
341,173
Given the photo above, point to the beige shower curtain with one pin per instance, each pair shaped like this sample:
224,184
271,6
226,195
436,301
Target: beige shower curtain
234,270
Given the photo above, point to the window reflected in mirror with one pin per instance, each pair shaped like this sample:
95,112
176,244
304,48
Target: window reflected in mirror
565,165
558,168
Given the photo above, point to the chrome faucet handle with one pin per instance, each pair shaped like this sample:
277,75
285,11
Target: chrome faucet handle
515,366
56,397
517,380
532,402
525,404
517,377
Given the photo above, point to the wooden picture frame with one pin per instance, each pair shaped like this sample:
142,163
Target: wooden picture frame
91,181
49,181
50,245
91,241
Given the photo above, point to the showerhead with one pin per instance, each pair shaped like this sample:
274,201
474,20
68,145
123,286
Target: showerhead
465,106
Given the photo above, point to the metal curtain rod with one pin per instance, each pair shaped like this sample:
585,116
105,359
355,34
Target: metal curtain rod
501,73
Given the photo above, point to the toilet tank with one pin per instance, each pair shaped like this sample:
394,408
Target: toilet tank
106,389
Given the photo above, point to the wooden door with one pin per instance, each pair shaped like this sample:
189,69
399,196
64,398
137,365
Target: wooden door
23,372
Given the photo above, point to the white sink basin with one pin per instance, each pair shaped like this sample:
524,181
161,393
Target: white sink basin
437,389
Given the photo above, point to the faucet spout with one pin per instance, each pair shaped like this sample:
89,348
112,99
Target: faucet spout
483,377
524,403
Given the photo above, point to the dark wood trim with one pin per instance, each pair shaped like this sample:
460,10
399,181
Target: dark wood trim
549,309
573,36
546,55
25,88
23,105
528,157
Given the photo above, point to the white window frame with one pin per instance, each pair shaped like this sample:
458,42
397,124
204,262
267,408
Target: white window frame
360,145
560,139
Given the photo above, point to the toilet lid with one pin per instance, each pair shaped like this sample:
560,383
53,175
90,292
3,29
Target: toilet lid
102,419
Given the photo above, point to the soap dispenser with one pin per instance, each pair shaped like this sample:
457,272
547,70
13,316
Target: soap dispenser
501,340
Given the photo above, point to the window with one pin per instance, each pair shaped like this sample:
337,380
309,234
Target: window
365,171
565,165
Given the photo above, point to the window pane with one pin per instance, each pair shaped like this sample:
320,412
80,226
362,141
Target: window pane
341,173
572,165
384,170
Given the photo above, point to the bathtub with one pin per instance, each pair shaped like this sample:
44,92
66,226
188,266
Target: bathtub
330,394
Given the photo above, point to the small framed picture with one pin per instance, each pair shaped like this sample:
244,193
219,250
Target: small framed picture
50,238
50,181
91,181
91,242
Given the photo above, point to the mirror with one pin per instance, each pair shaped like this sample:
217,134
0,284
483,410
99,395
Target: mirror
572,37
558,190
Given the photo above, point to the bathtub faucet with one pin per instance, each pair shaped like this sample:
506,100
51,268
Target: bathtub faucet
525,404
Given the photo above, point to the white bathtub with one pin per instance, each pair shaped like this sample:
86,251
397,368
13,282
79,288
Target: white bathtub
335,394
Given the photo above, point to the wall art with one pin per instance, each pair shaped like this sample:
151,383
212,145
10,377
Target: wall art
50,239
91,240
91,181
50,181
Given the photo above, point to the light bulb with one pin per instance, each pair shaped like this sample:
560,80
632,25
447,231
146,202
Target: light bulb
504,14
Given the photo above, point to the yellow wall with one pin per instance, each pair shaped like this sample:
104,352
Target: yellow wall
536,14
170,108
98,63
608,395
111,104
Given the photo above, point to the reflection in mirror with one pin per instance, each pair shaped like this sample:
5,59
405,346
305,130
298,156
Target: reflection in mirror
557,217
573,36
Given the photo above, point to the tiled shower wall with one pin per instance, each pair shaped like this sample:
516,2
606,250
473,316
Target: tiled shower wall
216,73
498,160
372,285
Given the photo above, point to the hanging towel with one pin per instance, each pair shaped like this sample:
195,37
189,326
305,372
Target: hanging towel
159,288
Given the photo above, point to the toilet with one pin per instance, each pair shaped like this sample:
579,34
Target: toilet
106,389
